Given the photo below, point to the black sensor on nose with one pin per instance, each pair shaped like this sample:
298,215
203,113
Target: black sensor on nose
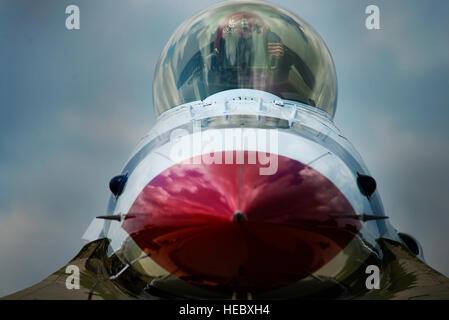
117,184
367,184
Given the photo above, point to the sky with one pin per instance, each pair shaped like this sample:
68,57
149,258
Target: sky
74,104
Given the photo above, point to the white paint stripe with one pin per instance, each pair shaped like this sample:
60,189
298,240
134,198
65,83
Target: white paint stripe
289,145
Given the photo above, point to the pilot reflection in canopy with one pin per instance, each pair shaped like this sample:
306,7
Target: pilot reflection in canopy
245,53
248,54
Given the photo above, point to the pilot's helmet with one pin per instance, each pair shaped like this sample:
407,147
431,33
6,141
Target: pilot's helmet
250,45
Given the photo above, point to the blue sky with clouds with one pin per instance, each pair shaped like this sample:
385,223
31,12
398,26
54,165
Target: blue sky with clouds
75,103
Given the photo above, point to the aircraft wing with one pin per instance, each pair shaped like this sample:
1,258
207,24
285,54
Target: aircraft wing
95,283
403,277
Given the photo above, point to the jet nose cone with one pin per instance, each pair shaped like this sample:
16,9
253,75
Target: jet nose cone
226,226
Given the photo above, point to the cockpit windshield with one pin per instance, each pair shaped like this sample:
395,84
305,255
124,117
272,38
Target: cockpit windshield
251,45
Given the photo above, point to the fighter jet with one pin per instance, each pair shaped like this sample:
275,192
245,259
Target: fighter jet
244,188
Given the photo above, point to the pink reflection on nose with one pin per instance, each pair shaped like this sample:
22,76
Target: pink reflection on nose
288,232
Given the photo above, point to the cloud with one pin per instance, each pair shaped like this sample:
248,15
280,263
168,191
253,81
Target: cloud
414,39
54,194
30,247
110,124
410,167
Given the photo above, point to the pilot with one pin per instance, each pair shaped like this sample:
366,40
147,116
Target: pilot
246,53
